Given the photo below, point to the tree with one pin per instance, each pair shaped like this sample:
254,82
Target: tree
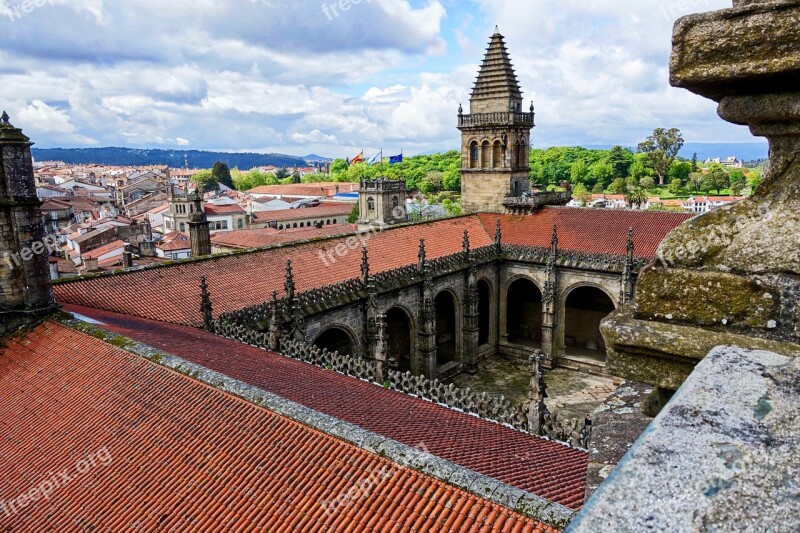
662,148
578,172
598,188
737,182
205,181
717,179
631,183
675,186
452,208
600,172
355,214
339,166
620,159
695,165
282,174
637,197
679,170
433,182
617,186
695,181
451,180
647,183
754,180
222,174
582,194
639,168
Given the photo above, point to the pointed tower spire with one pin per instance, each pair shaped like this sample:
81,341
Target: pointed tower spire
5,118
364,266
497,88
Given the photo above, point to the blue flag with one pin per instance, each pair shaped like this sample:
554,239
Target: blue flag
396,159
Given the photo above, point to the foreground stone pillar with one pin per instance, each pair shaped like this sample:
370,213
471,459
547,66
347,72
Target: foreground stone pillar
731,276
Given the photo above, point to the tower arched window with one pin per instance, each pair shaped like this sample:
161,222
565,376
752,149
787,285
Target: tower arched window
474,155
371,204
183,227
486,153
497,155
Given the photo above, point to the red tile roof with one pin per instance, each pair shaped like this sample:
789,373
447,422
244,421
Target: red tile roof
172,295
221,210
324,210
143,447
175,241
589,230
103,250
262,238
546,468
305,189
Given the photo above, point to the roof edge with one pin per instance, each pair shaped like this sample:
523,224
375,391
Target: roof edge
480,485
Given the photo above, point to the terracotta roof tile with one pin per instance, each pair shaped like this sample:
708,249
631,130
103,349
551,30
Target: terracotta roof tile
172,454
171,294
261,238
106,249
542,467
589,230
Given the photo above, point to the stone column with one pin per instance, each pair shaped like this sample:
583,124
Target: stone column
426,363
471,330
537,392
550,344
205,306
381,352
730,276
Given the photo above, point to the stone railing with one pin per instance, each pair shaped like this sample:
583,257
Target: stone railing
537,200
487,119
495,409
571,259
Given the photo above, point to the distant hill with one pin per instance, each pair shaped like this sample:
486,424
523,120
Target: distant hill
315,157
173,158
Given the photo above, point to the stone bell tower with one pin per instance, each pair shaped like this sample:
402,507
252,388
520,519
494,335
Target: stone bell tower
25,293
199,227
495,136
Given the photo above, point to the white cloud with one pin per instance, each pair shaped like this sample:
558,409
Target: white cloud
278,75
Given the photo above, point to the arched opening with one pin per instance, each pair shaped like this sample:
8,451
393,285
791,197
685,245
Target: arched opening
474,155
497,157
371,204
398,331
484,312
486,153
521,156
445,328
524,314
584,309
336,340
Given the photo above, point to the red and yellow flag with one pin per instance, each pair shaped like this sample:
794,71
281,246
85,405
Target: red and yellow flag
358,159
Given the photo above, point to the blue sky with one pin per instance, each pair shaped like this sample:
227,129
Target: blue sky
297,76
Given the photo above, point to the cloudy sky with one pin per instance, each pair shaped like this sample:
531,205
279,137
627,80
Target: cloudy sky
303,76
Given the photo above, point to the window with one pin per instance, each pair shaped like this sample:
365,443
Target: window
280,226
295,224
474,155
327,222
302,224
183,227
395,202
240,223
370,204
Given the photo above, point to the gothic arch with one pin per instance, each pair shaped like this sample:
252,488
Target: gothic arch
401,331
449,325
486,312
582,307
338,338
522,314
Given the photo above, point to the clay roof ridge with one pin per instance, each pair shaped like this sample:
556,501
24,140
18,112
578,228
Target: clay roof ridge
424,463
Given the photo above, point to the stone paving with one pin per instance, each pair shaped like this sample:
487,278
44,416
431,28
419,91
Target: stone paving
570,394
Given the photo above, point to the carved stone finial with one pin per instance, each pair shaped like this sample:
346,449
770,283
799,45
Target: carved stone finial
422,256
532,108
364,266
554,240
496,29
631,247
465,242
5,118
460,110
205,305
290,285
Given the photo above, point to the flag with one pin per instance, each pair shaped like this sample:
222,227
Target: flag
396,159
358,159
376,158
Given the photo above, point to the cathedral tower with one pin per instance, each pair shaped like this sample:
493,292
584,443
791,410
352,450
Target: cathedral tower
495,136
25,293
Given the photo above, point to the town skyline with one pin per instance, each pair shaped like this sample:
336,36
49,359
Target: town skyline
291,79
